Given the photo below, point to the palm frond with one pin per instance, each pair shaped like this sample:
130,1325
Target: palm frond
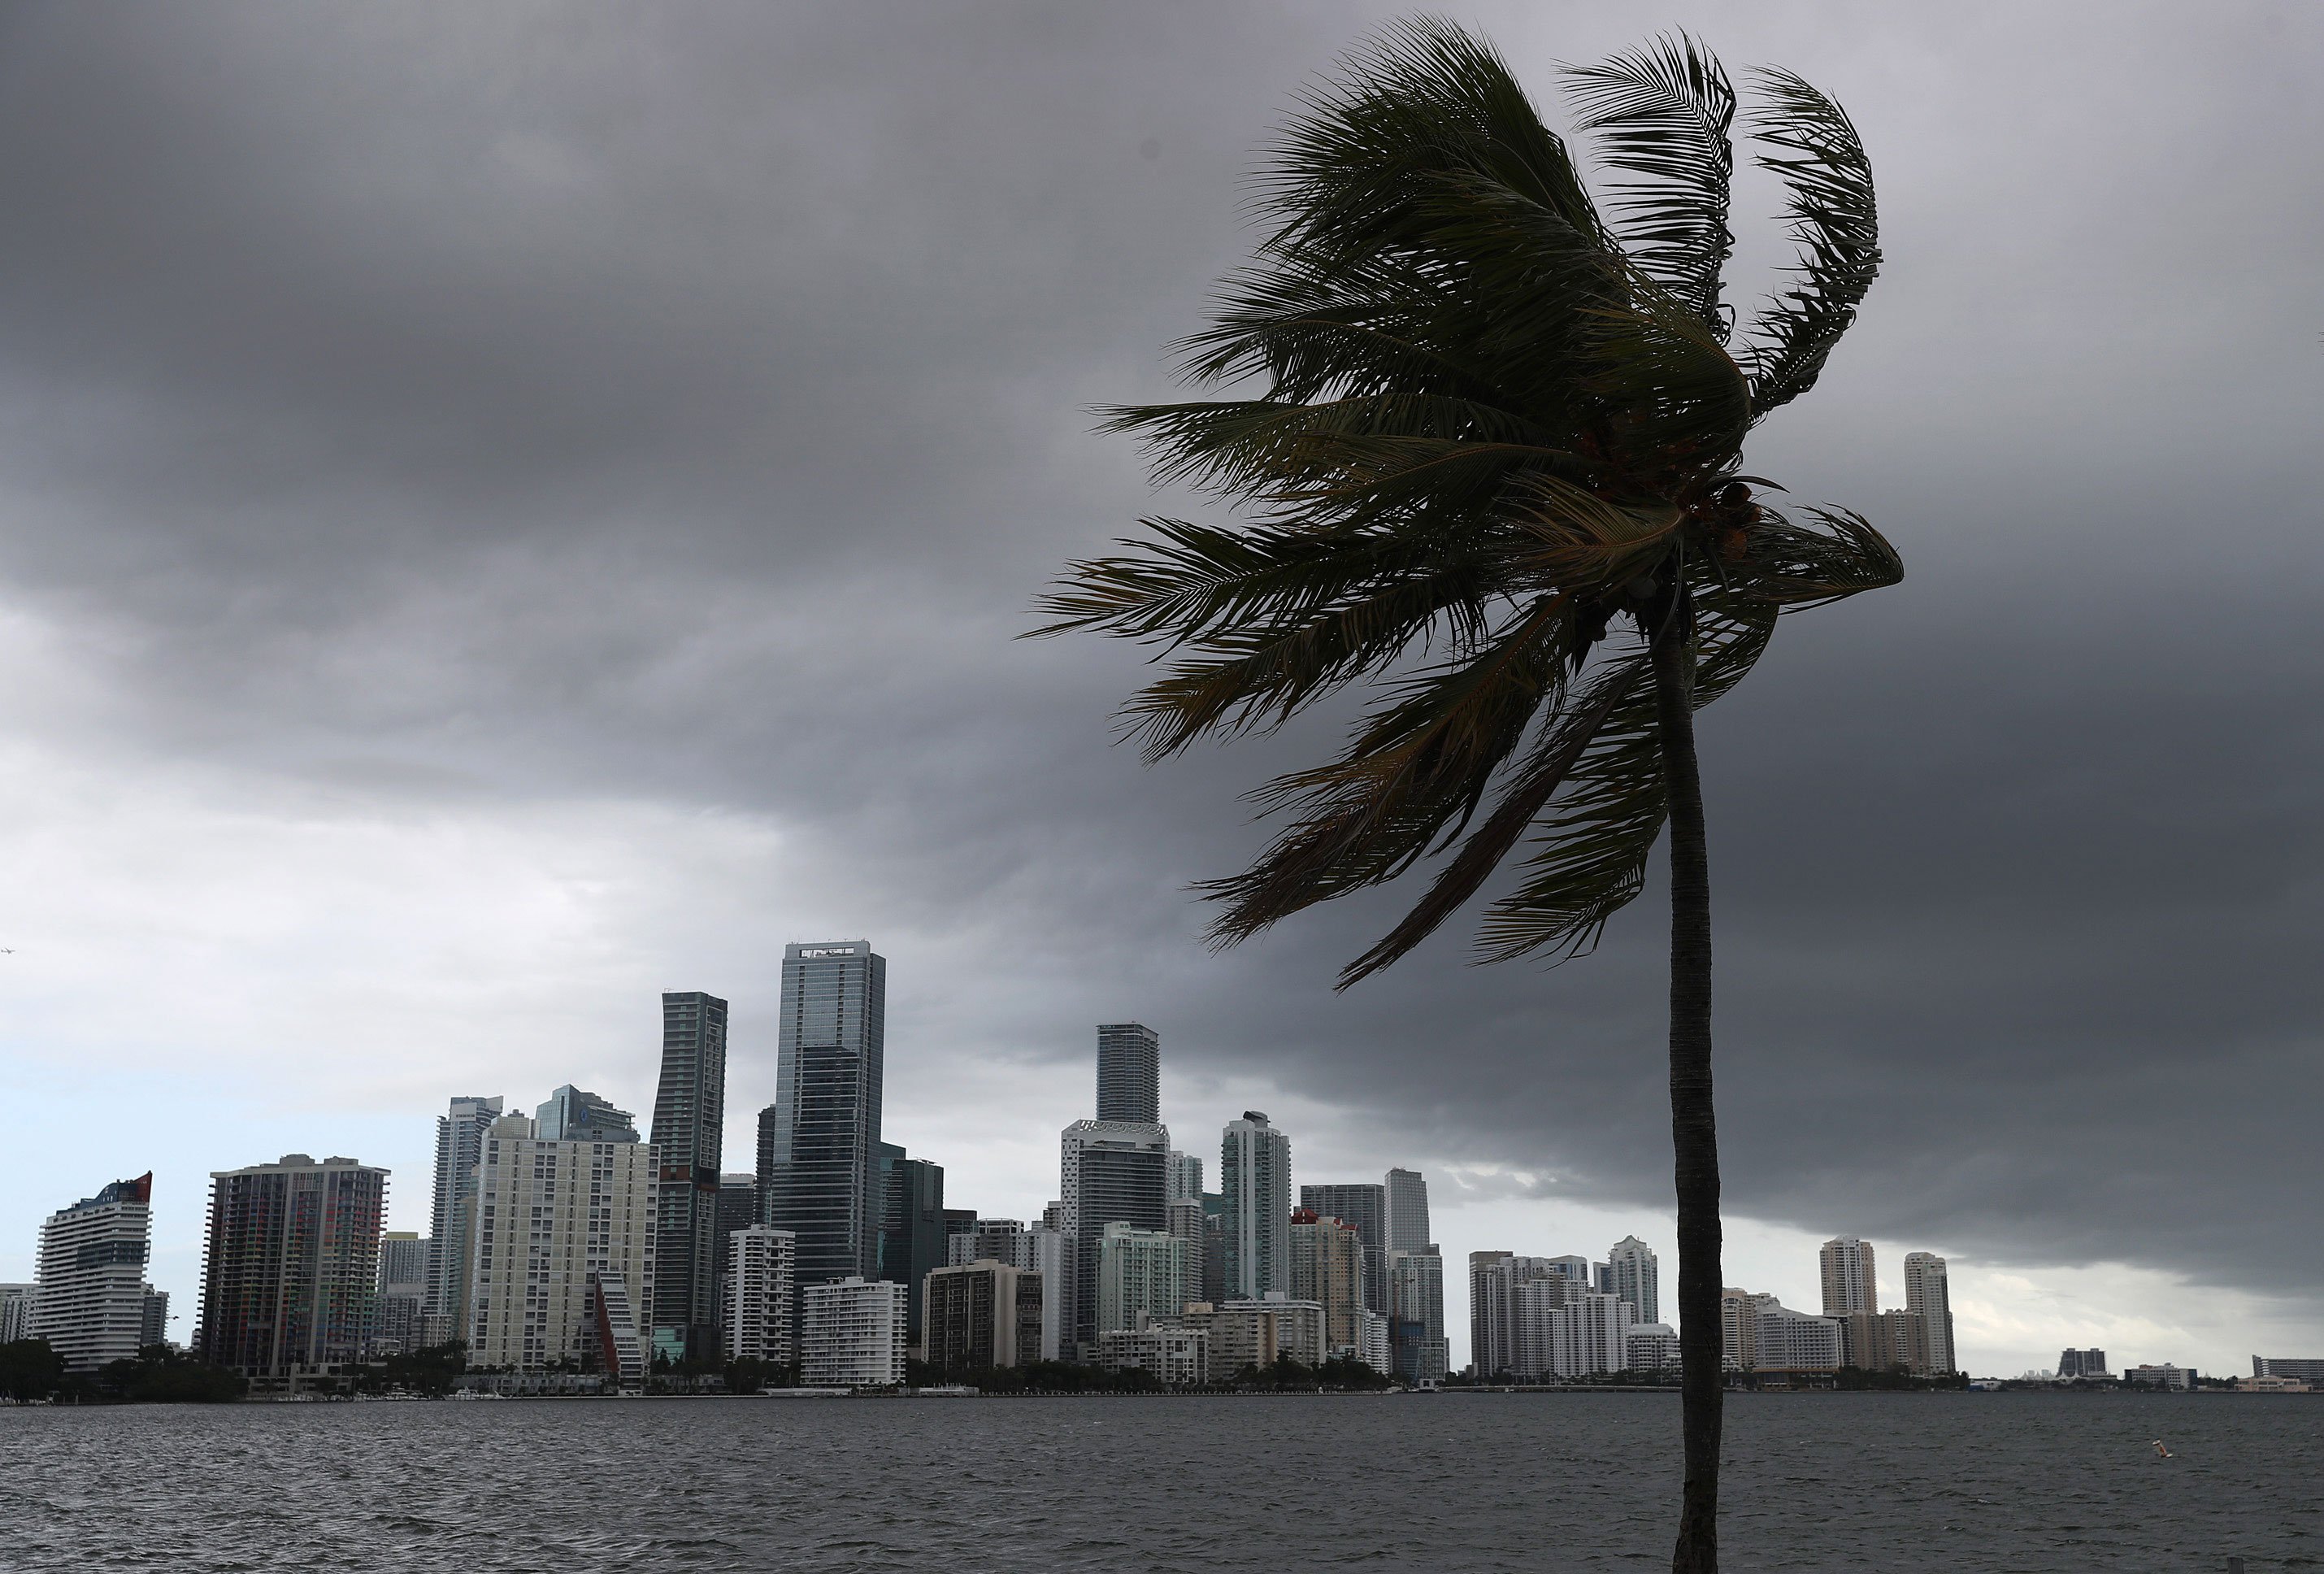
1663,111
1794,567
1836,220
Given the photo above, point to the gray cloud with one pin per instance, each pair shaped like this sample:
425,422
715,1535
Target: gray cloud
684,401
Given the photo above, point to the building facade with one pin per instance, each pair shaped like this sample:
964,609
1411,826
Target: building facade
1366,1208
460,1144
1185,1178
1255,1178
761,1293
402,1291
1850,1285
1416,1287
979,1314
1634,1273
1406,1195
1129,1073
572,1116
1927,1296
555,1220
1327,1267
1786,1340
915,1235
1650,1347
1112,1172
852,1333
2072,1363
1138,1271
689,1121
820,1140
291,1268
90,1303
1178,1357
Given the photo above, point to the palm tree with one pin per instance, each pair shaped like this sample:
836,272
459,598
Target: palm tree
1495,470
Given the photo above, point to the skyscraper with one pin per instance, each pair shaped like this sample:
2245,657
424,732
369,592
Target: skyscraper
1138,1271
91,1303
820,1140
1633,1274
689,1121
1185,1178
1415,1292
567,1239
982,1313
1327,1267
913,1229
571,1116
852,1333
402,1290
1128,1072
460,1144
290,1267
1493,1330
1255,1177
1849,1282
738,1208
1366,1208
1407,1211
1112,1172
1925,1292
761,1294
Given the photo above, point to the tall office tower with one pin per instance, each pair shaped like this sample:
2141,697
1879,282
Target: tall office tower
1255,1177
1366,1208
1415,1293
1185,1178
18,1301
1492,1335
1407,1195
291,1268
1327,1267
819,1141
852,1333
1138,1271
1128,1072
982,1314
1635,1273
572,1116
2090,1363
90,1305
1113,1172
1849,1283
1188,1223
402,1291
1925,1292
558,1224
915,1235
689,1120
154,1324
460,1144
738,1208
760,1295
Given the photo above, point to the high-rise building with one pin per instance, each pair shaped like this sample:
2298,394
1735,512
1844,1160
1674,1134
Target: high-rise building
1406,1197
1185,1178
1738,1330
1849,1282
402,1291
1254,1333
1796,1341
1373,1345
1176,1356
154,1325
738,1208
1366,1208
291,1268
1129,1073
1138,1271
994,1240
1189,1224
914,1233
1633,1274
1255,1177
1416,1291
852,1333
761,1294
1495,1281
2093,1363
556,1221
16,1303
1214,1249
1925,1292
1327,1267
91,1303
1113,1172
820,1140
982,1314
1881,1341
689,1122
460,1144
571,1116
1650,1347
1537,1304
1586,1334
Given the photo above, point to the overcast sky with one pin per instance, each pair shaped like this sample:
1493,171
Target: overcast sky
508,509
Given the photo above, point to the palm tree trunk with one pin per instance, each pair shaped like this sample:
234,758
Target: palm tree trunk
1694,1134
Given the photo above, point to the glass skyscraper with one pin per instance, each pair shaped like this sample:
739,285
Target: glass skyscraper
820,1140
1128,1072
1366,1208
689,1121
914,1235
459,1145
1255,1175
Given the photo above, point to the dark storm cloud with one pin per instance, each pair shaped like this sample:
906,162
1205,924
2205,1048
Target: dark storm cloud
685,401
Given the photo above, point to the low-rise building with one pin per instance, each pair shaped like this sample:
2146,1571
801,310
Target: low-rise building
2304,1369
2272,1386
1178,1357
852,1333
2160,1376
1650,1347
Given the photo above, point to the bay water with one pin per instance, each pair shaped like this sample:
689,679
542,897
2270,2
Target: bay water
2042,1484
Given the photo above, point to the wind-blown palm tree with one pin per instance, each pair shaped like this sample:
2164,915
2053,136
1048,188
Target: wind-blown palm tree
1496,476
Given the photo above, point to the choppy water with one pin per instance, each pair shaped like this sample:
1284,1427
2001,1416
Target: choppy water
1923,1482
